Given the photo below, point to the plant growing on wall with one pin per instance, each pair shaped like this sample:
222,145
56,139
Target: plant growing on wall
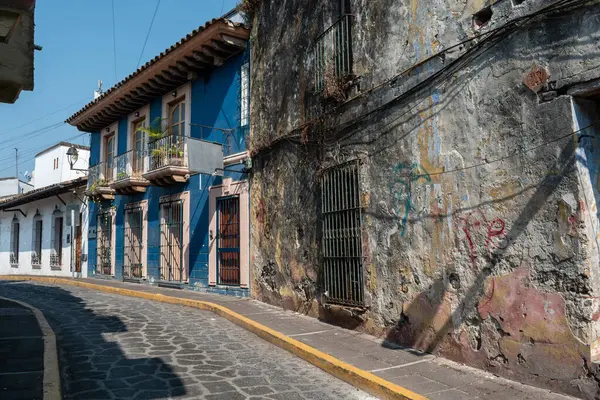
121,175
334,86
98,184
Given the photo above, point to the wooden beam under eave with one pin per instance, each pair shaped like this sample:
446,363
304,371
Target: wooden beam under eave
202,57
235,42
160,83
223,47
140,97
168,78
176,71
195,63
218,56
151,90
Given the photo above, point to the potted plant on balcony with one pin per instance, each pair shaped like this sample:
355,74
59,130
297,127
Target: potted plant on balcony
164,152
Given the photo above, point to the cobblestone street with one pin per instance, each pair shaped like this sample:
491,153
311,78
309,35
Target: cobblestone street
115,347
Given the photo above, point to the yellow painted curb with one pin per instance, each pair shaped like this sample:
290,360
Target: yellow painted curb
356,377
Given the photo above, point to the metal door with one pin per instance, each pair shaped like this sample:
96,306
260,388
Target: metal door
342,235
228,240
132,267
171,242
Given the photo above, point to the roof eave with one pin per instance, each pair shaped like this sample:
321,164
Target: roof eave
207,48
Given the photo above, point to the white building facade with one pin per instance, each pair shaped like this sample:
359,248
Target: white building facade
44,231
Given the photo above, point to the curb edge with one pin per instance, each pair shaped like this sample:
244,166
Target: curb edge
348,373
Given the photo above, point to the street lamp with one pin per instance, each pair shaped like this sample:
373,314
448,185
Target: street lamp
72,157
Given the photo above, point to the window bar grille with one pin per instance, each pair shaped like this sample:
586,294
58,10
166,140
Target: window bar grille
171,233
342,235
132,267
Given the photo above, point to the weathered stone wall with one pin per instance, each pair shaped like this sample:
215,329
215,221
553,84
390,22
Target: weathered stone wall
479,203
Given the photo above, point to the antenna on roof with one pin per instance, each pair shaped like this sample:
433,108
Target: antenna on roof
98,92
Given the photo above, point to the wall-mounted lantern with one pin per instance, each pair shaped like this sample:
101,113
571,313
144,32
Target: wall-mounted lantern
72,157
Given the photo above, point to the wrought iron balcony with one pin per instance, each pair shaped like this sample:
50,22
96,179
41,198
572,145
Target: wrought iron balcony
130,167
55,260
36,260
14,259
167,160
99,178
333,53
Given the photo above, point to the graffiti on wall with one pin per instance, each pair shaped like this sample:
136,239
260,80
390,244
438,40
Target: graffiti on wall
405,177
478,231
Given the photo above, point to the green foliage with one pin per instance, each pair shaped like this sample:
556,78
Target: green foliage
121,175
98,184
156,130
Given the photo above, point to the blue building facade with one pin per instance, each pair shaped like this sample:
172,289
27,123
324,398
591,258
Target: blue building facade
162,210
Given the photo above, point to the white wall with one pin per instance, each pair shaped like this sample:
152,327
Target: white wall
45,174
46,208
8,187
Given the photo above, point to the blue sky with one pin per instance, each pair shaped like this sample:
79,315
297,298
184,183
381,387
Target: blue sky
77,41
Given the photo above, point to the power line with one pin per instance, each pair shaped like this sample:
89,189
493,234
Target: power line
148,34
496,34
44,116
519,153
40,149
114,39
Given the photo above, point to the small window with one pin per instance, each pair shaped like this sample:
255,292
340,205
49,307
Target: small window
57,240
14,242
177,118
244,94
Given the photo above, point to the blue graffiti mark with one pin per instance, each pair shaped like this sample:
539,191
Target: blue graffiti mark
400,188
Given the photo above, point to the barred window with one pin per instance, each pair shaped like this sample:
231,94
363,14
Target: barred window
342,235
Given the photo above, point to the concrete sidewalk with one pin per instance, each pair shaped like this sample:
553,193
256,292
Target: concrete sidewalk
424,374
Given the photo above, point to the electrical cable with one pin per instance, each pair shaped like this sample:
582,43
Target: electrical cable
148,34
513,24
114,39
44,116
519,153
40,149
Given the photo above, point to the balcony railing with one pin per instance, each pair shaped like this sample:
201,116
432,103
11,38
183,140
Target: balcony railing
168,151
36,259
333,52
14,259
100,175
130,164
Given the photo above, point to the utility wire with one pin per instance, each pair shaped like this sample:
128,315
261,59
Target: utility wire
44,116
40,149
511,26
114,39
148,34
518,153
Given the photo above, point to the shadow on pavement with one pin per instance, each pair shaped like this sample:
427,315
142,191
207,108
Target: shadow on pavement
93,367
